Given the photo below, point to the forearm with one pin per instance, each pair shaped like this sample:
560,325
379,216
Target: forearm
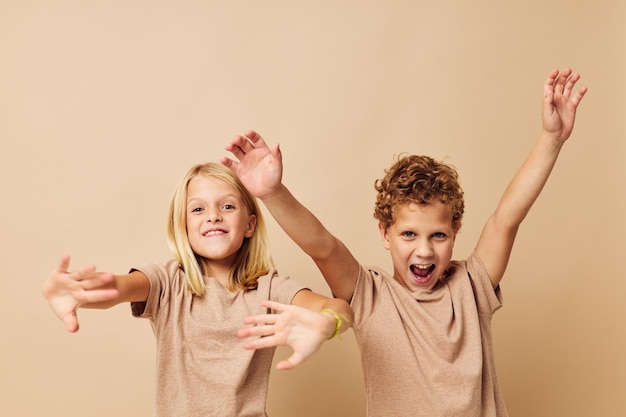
133,287
526,185
332,257
496,241
300,224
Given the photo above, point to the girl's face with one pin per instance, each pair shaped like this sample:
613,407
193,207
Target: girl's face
420,242
217,220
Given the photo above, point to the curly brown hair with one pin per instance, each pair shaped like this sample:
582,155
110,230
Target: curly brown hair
418,179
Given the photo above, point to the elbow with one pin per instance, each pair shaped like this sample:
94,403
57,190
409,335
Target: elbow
506,224
345,312
328,250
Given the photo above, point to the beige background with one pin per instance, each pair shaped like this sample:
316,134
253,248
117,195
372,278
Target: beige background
105,104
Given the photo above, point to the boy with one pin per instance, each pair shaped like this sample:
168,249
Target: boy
425,332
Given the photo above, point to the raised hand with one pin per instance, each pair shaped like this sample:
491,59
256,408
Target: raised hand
560,103
259,166
301,329
66,291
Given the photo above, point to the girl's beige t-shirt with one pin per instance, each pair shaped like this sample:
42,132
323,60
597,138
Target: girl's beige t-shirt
201,366
429,353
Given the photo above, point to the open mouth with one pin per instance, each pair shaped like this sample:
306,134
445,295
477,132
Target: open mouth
422,273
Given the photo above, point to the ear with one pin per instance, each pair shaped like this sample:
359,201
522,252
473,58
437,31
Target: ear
251,226
383,236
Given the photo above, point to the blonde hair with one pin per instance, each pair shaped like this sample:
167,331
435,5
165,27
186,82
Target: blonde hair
253,258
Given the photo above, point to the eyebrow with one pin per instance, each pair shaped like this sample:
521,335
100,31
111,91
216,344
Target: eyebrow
224,197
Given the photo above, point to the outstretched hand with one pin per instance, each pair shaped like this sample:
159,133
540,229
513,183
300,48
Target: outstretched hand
259,166
301,329
560,103
66,291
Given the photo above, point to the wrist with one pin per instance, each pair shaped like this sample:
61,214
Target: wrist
335,322
553,138
275,192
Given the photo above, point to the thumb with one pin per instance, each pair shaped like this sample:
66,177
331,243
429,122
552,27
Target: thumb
548,99
291,362
71,322
548,108
275,151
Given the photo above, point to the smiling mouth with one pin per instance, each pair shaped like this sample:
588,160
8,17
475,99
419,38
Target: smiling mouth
214,232
422,273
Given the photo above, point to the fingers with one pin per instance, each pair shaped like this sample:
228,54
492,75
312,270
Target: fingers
262,343
261,319
84,273
255,139
291,362
91,286
98,287
61,278
229,163
264,327
579,96
238,147
561,84
274,305
63,265
561,80
556,81
569,84
97,280
242,144
85,285
548,86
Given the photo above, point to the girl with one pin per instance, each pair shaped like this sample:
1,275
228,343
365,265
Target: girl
222,275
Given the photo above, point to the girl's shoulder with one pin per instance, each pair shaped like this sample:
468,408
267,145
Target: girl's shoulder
278,287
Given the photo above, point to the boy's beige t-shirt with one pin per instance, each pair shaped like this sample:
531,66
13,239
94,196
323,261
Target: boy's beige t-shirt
429,353
202,368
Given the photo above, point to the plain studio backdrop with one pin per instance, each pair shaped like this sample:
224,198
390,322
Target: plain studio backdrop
104,105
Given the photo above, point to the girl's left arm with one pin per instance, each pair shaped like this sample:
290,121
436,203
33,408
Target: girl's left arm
304,325
337,310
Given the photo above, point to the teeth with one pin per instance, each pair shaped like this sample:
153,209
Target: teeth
213,232
422,266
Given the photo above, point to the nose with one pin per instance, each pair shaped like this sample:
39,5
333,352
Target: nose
423,248
213,216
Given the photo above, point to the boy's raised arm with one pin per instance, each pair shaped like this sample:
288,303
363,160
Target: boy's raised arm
259,167
558,115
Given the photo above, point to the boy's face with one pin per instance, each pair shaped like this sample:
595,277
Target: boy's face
420,242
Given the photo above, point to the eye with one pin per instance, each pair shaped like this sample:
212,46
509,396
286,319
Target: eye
196,210
228,207
439,235
407,234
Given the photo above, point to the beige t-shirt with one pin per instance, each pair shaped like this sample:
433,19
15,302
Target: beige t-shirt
429,353
202,368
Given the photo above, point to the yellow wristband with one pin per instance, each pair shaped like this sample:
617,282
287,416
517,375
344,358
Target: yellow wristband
338,321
